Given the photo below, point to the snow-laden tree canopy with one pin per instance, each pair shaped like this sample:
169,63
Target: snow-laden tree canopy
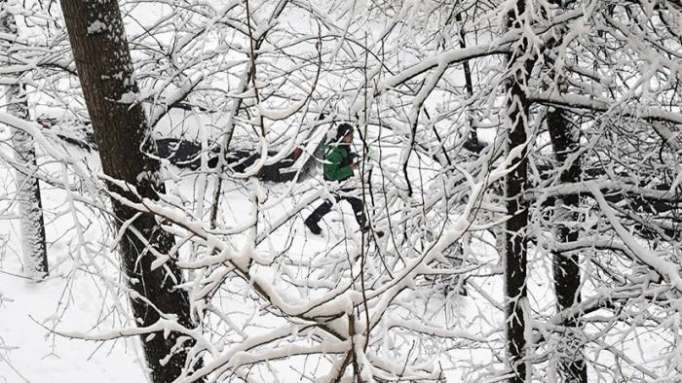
439,93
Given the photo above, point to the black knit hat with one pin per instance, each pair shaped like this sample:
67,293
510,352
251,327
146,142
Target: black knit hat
343,129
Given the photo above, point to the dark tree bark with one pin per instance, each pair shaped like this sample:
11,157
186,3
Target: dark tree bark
105,71
515,239
28,191
472,142
566,267
34,248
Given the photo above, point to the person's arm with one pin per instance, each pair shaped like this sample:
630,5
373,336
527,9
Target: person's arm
353,159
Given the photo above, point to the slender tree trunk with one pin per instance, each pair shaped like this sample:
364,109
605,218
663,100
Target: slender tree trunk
516,243
472,141
566,267
34,249
28,192
105,70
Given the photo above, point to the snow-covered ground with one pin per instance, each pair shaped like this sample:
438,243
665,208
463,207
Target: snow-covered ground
31,352
76,298
71,298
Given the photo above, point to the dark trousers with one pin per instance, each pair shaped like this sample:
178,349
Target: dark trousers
326,207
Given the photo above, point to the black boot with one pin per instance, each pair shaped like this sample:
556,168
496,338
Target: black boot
313,226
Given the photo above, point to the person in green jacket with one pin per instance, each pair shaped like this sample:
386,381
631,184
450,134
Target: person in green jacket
339,166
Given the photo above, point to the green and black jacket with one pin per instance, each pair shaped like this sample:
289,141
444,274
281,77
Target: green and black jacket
338,162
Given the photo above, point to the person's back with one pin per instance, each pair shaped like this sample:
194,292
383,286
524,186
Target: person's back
338,162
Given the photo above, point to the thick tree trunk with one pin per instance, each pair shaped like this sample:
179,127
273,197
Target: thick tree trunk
566,267
105,70
516,243
34,249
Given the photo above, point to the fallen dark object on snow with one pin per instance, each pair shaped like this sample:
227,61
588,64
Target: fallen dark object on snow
187,154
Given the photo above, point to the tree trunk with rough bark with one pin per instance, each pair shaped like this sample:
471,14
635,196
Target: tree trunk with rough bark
34,249
566,267
105,71
516,181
